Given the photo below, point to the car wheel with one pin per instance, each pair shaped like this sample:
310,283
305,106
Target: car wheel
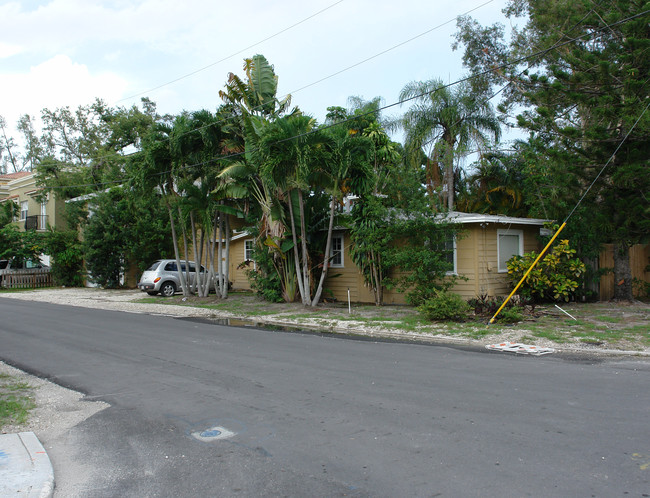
167,289
152,293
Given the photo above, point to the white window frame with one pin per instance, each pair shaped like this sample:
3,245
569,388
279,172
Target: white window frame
339,237
42,221
500,232
454,271
24,210
249,250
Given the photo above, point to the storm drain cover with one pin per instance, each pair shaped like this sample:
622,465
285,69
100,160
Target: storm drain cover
213,434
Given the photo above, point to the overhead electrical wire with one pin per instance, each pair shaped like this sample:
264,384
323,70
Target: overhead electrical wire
315,82
399,102
231,55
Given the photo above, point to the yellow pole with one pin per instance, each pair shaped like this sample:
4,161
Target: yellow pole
527,272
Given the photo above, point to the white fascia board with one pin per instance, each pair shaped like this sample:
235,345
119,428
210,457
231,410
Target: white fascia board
464,218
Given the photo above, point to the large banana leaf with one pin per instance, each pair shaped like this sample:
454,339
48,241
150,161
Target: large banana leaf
263,81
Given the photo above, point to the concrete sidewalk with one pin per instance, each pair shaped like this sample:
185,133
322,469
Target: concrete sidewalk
25,468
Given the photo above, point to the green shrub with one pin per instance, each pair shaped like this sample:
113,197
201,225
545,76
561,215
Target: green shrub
444,306
67,257
555,278
263,277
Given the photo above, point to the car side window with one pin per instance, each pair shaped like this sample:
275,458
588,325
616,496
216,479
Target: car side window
171,266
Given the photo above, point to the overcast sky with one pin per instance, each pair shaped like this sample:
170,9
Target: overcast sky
68,52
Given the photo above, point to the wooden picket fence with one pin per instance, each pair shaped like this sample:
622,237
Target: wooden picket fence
26,279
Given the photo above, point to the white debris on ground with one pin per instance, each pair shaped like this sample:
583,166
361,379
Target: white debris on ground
519,348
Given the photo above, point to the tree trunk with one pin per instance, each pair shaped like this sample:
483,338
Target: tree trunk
450,180
219,284
212,243
305,256
326,259
197,258
188,280
296,257
226,273
375,273
181,277
622,273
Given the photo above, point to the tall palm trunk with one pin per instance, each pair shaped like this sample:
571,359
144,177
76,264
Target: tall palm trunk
305,257
326,258
197,255
219,284
177,252
188,280
296,257
226,272
212,243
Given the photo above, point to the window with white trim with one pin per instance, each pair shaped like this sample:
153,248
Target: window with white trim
42,221
450,253
336,252
249,246
24,209
509,243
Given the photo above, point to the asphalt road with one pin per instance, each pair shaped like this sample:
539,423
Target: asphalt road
322,416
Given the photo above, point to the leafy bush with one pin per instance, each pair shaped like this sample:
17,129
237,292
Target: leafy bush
555,278
263,278
444,306
67,257
484,304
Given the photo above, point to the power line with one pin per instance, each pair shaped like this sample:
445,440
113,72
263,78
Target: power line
391,48
315,82
232,55
400,102
607,163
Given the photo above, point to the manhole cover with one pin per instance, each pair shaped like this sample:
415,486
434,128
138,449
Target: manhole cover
213,434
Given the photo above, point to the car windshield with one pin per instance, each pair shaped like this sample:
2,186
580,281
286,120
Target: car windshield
154,266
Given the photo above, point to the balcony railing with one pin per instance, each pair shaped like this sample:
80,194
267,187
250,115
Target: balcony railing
36,222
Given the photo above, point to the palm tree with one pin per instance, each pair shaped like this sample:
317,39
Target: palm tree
495,187
443,121
292,149
153,171
348,166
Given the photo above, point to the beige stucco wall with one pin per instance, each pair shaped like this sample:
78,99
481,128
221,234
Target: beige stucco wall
24,189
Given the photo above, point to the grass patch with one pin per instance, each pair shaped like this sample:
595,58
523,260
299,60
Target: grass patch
551,335
479,332
608,319
591,341
411,323
597,323
15,400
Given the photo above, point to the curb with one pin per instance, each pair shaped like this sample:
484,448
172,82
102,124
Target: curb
25,468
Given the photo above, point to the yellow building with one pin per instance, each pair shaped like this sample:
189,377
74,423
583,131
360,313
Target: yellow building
480,252
38,210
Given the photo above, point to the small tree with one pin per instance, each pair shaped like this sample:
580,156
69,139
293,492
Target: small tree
67,257
20,246
419,255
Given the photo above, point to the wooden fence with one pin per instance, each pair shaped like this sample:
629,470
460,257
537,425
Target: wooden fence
639,264
26,279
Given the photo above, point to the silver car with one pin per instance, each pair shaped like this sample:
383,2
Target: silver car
162,277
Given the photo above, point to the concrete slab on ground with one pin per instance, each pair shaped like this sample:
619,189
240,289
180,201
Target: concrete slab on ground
25,468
